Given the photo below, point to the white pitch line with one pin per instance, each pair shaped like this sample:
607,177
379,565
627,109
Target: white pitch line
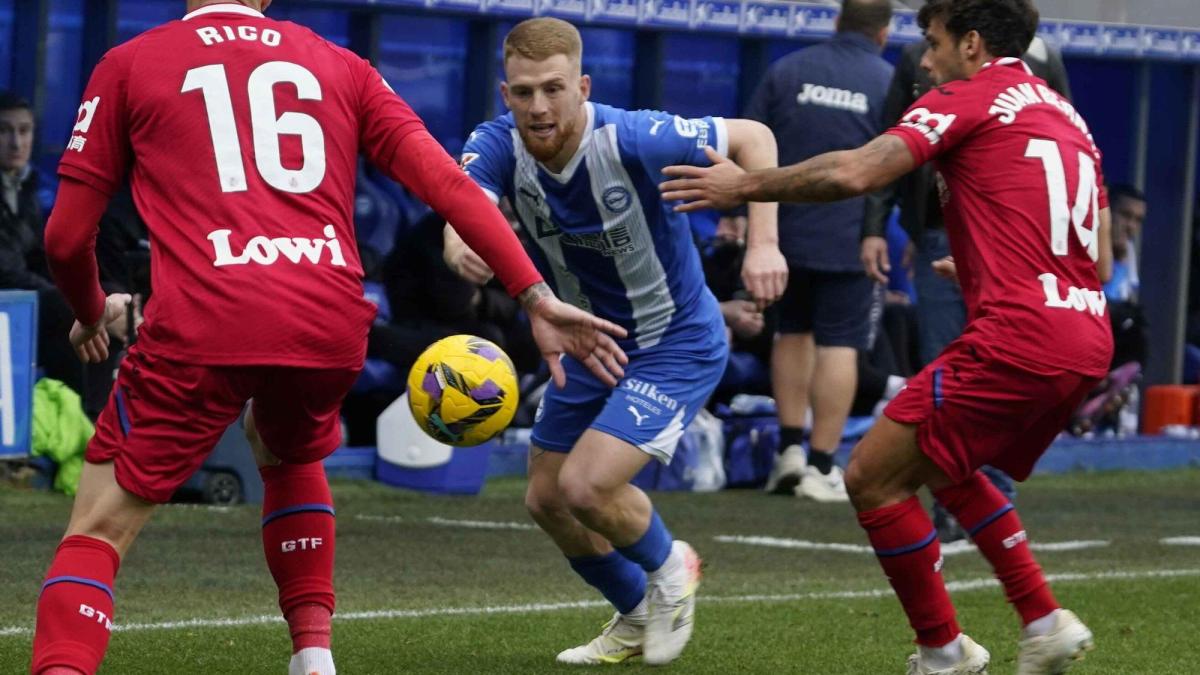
777,542
481,524
964,586
1180,541
200,507
955,548
451,522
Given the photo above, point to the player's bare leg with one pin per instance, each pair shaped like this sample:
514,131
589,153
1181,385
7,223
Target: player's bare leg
298,540
619,580
793,358
594,481
74,612
831,394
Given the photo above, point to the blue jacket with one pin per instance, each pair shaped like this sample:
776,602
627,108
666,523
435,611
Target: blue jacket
823,98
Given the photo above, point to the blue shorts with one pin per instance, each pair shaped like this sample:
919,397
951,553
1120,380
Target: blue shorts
663,389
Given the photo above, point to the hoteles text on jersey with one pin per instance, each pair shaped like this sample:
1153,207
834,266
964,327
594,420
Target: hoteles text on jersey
266,250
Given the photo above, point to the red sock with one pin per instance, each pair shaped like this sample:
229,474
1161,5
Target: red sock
907,547
298,539
993,524
74,611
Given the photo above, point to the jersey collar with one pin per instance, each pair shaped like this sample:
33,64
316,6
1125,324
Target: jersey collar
1009,61
224,8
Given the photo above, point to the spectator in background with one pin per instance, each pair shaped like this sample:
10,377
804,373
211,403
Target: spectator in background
837,88
1128,208
941,313
1130,339
22,255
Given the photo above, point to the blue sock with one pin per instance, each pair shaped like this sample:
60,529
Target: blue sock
652,549
620,581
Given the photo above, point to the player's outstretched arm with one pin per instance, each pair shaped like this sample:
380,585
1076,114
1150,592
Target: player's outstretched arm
764,269
825,178
559,328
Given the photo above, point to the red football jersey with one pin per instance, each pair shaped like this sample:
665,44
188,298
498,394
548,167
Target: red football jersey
1021,189
240,136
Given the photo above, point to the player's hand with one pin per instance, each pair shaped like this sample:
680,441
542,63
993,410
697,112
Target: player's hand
91,342
462,260
743,318
764,273
945,268
559,328
874,256
713,187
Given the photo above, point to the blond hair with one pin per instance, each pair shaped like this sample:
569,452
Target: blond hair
541,38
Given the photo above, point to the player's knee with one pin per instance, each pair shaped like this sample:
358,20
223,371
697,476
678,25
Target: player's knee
545,505
861,486
580,494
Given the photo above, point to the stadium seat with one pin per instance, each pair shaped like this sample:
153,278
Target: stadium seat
377,216
378,374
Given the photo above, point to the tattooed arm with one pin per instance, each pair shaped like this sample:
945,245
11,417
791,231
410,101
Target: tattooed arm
534,295
825,178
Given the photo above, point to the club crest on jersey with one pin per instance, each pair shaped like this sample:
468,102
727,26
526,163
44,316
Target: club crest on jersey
931,125
267,250
467,158
617,199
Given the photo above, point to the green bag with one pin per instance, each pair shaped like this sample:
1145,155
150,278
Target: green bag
61,431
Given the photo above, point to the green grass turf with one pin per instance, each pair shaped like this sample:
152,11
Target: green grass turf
197,563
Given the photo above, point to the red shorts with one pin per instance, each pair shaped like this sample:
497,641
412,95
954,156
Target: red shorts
164,417
972,410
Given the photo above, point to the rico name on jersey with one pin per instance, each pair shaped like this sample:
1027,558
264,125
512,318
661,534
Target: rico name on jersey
602,234
1022,191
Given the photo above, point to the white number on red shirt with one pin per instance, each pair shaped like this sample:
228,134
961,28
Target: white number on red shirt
267,126
1061,213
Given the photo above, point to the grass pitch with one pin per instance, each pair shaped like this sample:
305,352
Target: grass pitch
425,585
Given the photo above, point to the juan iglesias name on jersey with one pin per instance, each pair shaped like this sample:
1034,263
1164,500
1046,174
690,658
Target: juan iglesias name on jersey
603,236
240,136
1021,189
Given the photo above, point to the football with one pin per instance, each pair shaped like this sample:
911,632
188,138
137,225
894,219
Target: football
463,390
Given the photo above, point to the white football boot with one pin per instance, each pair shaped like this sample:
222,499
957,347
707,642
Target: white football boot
312,661
787,472
671,596
1054,652
826,488
973,662
620,640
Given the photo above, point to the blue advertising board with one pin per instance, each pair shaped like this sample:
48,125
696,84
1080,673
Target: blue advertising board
807,20
18,370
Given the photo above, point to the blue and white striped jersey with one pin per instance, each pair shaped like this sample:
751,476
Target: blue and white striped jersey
604,238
